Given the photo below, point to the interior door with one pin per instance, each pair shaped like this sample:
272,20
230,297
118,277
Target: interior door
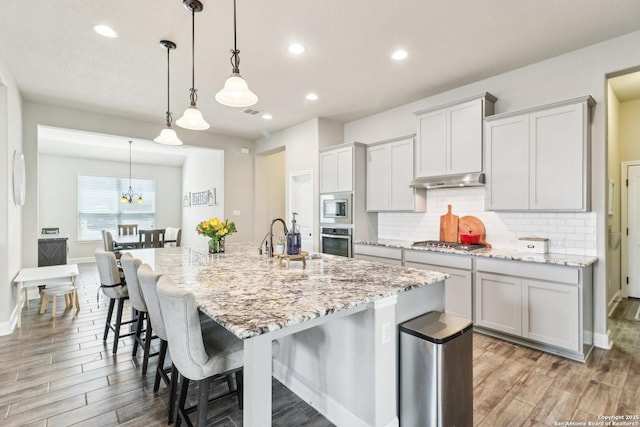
301,202
633,224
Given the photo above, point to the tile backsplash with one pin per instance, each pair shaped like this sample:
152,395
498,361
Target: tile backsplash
568,233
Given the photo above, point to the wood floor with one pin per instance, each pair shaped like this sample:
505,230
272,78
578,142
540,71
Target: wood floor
61,373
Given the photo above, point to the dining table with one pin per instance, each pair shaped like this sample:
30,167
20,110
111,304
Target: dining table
132,241
259,300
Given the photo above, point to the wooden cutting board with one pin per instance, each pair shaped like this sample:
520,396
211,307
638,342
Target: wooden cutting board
472,224
449,226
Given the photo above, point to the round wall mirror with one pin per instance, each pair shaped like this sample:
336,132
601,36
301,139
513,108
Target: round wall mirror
19,177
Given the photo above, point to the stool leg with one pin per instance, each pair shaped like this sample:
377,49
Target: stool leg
173,385
203,401
118,323
136,339
180,411
240,386
55,303
147,344
45,302
109,315
161,356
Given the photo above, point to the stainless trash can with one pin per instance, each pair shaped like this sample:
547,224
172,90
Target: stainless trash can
436,382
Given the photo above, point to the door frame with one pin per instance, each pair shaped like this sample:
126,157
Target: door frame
624,224
291,176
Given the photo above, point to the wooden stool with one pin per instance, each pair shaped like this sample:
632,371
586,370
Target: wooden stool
70,298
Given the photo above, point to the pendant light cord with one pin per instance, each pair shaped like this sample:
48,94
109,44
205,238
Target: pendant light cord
169,118
130,142
193,96
235,53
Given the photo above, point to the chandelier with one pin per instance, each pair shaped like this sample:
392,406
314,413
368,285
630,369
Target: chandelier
130,196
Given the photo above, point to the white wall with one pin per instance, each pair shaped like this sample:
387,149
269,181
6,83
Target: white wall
301,154
203,170
11,222
58,194
572,75
270,184
238,170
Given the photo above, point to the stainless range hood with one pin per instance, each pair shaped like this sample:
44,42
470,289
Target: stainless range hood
473,179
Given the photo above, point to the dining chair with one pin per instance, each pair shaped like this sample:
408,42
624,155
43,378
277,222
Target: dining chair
136,298
200,355
148,281
172,237
114,287
152,238
109,246
50,230
127,229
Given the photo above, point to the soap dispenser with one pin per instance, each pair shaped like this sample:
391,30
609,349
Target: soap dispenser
294,238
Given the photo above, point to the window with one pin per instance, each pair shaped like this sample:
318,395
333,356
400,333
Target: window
99,206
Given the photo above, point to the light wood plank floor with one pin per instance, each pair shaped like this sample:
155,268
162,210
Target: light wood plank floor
61,373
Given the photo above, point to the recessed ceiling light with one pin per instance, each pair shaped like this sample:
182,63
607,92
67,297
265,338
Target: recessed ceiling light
296,48
267,116
106,31
399,55
311,96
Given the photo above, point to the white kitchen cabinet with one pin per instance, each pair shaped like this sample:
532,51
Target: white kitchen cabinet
458,288
546,305
336,170
539,159
449,138
389,173
375,253
499,303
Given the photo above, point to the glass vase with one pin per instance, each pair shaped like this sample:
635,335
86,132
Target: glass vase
216,246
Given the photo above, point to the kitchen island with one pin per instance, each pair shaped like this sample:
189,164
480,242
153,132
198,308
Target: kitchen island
336,322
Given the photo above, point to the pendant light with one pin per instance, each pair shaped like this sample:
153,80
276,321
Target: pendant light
129,196
192,117
236,92
168,135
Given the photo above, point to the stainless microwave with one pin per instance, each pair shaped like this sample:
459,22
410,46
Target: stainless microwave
335,208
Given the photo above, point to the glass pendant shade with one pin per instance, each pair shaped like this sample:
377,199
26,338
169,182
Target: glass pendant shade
192,119
168,136
236,93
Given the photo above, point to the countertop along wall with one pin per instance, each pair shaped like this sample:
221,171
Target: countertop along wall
578,73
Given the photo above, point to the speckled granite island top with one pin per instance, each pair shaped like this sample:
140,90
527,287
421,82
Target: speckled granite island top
507,254
250,294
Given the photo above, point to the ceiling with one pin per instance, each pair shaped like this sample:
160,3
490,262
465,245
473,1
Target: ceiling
56,58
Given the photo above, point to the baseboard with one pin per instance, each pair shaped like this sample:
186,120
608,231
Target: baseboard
326,405
81,260
7,328
602,340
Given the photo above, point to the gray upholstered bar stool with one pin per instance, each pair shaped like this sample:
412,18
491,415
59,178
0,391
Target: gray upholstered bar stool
148,281
198,355
114,287
136,298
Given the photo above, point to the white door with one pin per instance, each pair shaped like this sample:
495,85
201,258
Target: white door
633,223
301,202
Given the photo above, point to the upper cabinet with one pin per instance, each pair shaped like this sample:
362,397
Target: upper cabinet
389,173
539,159
336,170
449,139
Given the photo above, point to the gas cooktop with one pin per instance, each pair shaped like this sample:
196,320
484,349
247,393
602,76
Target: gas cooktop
448,245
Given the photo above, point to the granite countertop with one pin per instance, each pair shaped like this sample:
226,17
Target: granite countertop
507,254
250,294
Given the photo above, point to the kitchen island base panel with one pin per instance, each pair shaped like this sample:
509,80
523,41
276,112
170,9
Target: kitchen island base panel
347,368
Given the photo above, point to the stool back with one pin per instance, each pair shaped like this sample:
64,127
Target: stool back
148,282
130,268
110,280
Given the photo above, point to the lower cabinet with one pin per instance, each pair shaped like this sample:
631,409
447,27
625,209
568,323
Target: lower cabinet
383,254
458,289
545,304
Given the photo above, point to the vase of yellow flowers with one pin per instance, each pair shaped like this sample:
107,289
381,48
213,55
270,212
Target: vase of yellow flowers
216,231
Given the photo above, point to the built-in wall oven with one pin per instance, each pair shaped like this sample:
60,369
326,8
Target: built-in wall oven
335,208
335,241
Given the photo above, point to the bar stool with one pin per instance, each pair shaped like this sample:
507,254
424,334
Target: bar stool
114,287
70,298
200,356
136,298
